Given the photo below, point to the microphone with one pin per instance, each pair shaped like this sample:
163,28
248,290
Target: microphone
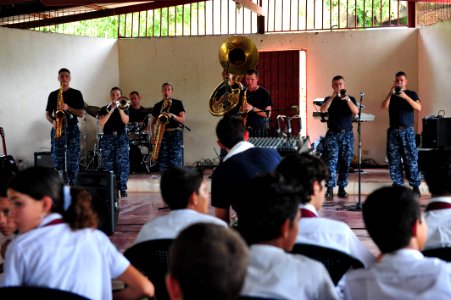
362,93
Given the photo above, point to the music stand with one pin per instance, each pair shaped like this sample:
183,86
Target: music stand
358,205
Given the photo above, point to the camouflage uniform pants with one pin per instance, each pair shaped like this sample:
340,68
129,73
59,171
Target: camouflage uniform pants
402,154
115,157
72,134
339,151
171,150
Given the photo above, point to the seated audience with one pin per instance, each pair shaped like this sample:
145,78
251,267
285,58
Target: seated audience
242,163
207,261
393,218
58,245
185,191
7,226
310,172
269,220
438,212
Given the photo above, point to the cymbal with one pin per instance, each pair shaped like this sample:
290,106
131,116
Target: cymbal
92,110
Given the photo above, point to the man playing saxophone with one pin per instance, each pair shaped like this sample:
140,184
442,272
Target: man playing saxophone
73,107
171,142
114,118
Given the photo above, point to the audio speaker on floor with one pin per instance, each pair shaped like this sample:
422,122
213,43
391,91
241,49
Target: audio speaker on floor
436,132
103,189
43,159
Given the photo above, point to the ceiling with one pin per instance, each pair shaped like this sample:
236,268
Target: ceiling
29,14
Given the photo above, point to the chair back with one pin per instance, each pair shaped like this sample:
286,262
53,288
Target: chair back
443,253
336,262
152,258
30,292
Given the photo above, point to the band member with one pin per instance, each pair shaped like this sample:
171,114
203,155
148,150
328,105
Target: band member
401,145
137,112
339,140
171,147
258,106
73,107
115,140
138,128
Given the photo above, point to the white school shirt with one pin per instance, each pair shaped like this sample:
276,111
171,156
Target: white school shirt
439,225
404,274
170,225
332,234
82,262
238,148
272,273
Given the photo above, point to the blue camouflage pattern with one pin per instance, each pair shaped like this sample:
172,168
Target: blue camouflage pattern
115,157
72,134
338,154
402,154
171,150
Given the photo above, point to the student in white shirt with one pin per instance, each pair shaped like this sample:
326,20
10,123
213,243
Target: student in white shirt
185,191
58,245
438,212
393,219
311,173
269,223
206,261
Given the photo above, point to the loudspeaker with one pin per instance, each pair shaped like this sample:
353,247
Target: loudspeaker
103,189
436,132
43,159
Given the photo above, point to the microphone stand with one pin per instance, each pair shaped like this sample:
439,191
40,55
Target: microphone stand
65,171
358,205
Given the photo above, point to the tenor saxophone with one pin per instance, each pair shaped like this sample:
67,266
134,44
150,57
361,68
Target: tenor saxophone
59,114
162,120
243,111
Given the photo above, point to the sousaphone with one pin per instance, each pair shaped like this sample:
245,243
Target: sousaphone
237,54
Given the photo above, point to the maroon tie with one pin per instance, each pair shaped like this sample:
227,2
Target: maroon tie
54,222
437,206
305,213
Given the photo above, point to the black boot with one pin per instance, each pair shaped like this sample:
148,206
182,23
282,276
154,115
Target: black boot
416,190
329,193
342,193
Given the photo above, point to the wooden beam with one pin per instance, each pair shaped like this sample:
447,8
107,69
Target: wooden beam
101,13
251,6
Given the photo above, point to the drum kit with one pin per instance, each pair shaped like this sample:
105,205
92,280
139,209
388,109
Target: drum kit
139,143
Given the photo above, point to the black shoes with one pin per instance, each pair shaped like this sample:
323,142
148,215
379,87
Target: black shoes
342,193
123,194
416,190
329,193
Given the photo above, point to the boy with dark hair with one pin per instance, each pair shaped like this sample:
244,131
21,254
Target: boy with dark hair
242,163
185,191
438,212
206,261
310,173
393,220
269,221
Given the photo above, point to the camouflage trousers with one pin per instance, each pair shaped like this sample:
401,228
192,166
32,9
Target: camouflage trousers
72,135
171,150
114,150
402,154
338,154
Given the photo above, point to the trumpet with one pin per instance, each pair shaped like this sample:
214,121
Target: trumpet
342,93
397,91
122,103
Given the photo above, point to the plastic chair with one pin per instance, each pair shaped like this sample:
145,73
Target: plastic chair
444,253
336,262
30,292
151,258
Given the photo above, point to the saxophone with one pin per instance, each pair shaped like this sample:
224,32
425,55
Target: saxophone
162,120
243,111
59,114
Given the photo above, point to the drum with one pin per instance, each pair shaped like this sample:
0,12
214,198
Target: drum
133,131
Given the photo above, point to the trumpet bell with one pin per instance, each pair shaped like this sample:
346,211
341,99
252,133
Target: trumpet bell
237,54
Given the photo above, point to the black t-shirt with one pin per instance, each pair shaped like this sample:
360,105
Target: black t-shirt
259,98
137,115
176,108
400,111
340,115
71,97
114,123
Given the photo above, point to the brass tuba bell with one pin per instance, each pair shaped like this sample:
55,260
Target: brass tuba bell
237,54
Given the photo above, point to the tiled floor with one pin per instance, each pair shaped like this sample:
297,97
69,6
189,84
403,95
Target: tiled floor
140,207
